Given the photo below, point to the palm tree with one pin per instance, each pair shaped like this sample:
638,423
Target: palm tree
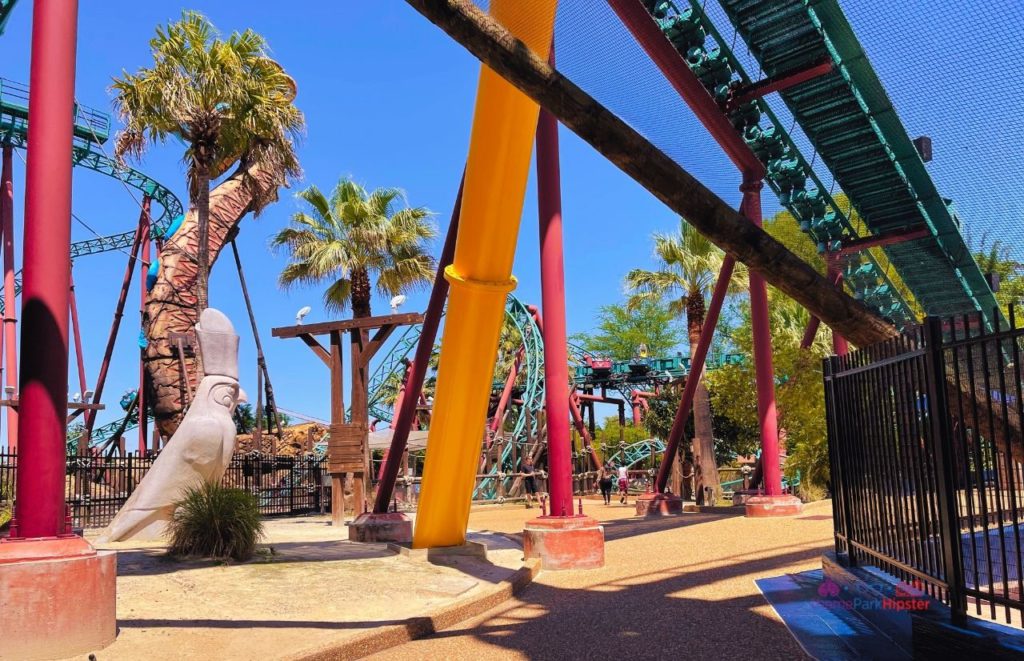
353,236
230,104
225,98
689,268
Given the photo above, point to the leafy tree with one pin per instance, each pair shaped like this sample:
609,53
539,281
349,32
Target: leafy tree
995,257
245,419
606,437
225,98
689,266
353,235
622,329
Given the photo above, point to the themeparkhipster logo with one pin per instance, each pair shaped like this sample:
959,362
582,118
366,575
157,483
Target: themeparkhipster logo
906,597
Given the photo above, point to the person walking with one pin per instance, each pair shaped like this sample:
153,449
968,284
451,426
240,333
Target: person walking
529,481
623,484
605,482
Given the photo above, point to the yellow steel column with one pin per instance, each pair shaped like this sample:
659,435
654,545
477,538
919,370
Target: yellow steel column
504,124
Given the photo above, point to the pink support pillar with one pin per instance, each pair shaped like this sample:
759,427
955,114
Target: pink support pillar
506,392
143,271
77,334
552,276
46,268
10,319
764,373
839,344
90,416
431,319
697,360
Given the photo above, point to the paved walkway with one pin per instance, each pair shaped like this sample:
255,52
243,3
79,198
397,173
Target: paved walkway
313,590
671,588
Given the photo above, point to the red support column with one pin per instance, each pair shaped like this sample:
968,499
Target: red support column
46,266
552,275
407,411
764,374
143,271
697,360
49,573
90,419
77,334
10,329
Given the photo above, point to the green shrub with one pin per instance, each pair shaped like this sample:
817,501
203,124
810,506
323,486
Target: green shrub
6,506
215,521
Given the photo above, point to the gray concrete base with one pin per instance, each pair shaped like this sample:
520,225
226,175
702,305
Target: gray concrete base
470,549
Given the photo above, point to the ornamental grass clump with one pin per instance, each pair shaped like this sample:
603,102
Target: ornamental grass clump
215,521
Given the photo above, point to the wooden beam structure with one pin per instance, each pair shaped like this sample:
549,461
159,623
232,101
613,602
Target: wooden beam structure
495,46
348,449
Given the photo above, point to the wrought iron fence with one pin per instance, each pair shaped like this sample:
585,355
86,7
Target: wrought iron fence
97,486
926,451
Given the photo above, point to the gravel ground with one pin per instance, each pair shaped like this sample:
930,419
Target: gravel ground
671,588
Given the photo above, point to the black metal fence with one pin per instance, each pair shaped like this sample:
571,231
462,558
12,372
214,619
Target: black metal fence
97,486
926,451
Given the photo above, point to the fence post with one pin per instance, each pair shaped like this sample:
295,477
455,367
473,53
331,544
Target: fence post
938,412
840,507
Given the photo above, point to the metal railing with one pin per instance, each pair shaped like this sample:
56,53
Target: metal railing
97,486
925,447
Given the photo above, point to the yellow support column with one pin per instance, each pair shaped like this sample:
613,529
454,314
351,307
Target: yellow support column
504,124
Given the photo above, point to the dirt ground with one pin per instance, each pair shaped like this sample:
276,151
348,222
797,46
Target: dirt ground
671,587
305,590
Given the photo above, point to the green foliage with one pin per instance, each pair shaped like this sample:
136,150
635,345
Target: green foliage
798,388
995,257
355,235
6,506
621,331
215,521
689,265
245,419
226,98
733,436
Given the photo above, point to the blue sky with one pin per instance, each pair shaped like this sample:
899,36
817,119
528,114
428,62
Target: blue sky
388,100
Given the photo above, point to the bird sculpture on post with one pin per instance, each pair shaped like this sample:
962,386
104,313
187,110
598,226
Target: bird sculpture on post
200,449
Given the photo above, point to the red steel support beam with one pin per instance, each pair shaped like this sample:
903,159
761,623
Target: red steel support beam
814,323
143,270
77,334
47,268
90,416
552,277
764,373
882,240
777,84
697,360
431,319
649,36
581,427
10,329
661,51
506,392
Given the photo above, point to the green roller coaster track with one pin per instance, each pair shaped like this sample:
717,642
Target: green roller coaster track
852,125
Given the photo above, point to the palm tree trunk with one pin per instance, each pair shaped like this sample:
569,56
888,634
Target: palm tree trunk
704,464
172,304
361,293
203,254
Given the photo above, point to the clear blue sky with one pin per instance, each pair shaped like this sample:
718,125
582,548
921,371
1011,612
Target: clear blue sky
388,100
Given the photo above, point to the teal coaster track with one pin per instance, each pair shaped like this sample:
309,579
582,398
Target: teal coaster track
854,129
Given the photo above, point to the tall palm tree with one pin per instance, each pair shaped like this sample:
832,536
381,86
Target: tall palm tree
225,98
232,106
352,237
688,270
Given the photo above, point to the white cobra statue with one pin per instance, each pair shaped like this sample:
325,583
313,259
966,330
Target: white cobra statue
200,449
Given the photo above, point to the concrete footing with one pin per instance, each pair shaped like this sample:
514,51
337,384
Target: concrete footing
658,504
387,527
565,542
762,506
471,549
57,598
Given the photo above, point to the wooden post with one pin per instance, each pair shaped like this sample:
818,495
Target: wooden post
361,480
337,417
